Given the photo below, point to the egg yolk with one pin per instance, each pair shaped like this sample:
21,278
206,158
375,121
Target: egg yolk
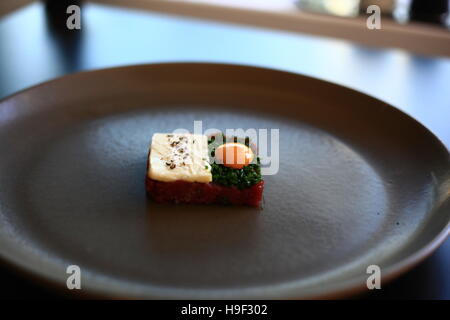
234,155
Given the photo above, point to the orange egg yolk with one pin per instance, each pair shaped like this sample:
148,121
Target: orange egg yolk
234,155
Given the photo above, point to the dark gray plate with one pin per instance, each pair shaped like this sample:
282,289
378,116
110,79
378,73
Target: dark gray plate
360,183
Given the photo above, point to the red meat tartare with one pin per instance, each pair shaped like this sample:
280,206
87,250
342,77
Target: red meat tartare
195,169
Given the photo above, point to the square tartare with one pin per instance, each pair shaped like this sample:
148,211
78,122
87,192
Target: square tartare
198,169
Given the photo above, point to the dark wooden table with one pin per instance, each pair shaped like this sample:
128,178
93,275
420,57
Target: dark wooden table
33,50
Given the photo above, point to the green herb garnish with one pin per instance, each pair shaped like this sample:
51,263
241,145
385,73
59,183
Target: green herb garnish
240,178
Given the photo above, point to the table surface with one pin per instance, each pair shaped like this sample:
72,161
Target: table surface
32,50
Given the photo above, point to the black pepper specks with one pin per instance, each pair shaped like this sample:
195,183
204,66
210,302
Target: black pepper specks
179,154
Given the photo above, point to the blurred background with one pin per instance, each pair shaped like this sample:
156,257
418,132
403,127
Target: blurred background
405,63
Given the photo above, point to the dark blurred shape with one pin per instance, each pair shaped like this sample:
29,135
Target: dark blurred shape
434,11
66,42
